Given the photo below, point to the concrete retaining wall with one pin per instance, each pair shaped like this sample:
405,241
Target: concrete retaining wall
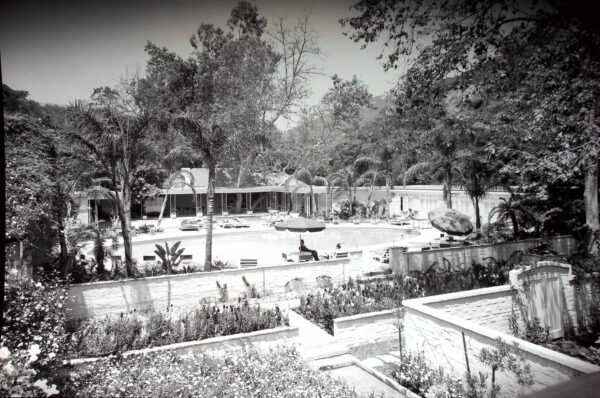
186,290
261,339
439,335
465,256
368,328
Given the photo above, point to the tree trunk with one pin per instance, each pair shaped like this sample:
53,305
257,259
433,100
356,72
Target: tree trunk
162,208
513,219
448,189
210,195
477,215
590,196
126,236
240,179
123,204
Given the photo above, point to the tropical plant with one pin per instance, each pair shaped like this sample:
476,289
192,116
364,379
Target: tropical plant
306,177
446,156
175,178
477,182
170,257
513,209
351,177
114,131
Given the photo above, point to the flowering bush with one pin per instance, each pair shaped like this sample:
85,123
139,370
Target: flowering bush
248,374
365,296
33,336
135,330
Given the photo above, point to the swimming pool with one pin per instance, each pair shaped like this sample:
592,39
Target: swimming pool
267,246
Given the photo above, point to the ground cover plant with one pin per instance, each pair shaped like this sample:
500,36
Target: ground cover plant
34,338
137,330
249,373
363,296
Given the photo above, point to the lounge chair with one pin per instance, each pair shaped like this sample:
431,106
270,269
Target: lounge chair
305,256
225,223
383,258
248,262
341,255
285,257
239,223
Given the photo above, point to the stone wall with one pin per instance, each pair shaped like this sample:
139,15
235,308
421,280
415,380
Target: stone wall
186,290
368,328
439,335
465,256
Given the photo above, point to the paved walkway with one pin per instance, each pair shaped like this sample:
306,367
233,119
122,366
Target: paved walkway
323,351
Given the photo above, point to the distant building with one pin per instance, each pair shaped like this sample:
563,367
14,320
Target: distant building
276,191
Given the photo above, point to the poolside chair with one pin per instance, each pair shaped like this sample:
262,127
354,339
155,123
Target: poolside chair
445,245
248,262
225,223
285,257
341,255
239,223
425,249
304,257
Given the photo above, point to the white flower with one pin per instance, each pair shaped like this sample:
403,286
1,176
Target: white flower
9,369
4,353
48,389
34,350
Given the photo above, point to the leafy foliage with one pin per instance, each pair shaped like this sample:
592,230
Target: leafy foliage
365,296
248,373
135,330
34,339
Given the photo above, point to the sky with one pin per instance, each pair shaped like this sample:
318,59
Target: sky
60,50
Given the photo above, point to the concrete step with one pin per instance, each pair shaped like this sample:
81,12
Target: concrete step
373,362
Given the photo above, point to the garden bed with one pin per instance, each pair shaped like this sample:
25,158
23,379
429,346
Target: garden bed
140,330
249,373
365,296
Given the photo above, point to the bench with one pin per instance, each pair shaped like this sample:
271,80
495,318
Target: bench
248,262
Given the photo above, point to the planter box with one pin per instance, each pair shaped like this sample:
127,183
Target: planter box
267,338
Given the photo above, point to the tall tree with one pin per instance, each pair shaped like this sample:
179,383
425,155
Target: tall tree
113,129
210,97
542,57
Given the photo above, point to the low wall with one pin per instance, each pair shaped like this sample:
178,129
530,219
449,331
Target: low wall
402,263
186,290
439,335
261,339
368,328
490,307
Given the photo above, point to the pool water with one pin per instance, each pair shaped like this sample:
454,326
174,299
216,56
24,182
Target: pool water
267,246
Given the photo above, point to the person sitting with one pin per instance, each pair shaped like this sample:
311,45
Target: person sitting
334,254
303,248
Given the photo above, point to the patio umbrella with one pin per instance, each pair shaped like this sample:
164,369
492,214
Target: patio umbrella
300,224
450,221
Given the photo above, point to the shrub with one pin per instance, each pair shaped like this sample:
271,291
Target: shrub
116,334
363,296
246,373
33,335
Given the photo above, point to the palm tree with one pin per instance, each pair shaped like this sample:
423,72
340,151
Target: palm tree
351,177
116,139
478,180
513,209
170,182
213,143
372,176
305,176
445,159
